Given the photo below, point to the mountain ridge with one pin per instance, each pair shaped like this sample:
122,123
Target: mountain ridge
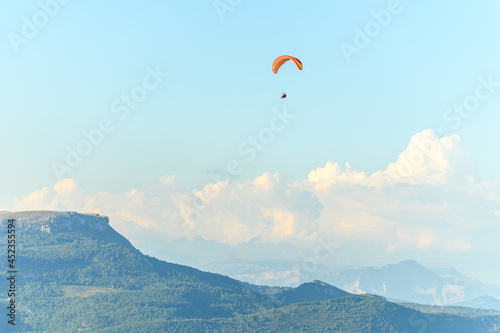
85,279
49,221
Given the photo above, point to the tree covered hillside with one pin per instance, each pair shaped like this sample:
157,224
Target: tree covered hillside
75,273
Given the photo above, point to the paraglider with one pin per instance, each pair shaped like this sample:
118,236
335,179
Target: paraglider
278,62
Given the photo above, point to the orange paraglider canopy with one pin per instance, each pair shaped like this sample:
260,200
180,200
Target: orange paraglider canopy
282,59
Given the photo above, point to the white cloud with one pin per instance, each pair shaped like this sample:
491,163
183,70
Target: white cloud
231,213
428,159
458,245
432,160
426,241
425,201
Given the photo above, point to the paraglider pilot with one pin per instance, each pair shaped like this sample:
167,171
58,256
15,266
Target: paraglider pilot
278,62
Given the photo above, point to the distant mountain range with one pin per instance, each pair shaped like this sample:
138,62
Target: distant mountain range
410,281
483,302
77,274
405,281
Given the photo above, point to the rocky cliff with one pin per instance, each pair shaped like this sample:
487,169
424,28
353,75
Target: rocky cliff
50,221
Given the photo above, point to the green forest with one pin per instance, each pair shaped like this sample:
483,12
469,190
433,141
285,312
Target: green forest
96,281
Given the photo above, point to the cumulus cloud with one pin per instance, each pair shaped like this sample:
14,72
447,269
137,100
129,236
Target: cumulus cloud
458,245
62,195
226,212
428,159
427,200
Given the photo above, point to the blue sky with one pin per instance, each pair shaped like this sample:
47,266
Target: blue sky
220,89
